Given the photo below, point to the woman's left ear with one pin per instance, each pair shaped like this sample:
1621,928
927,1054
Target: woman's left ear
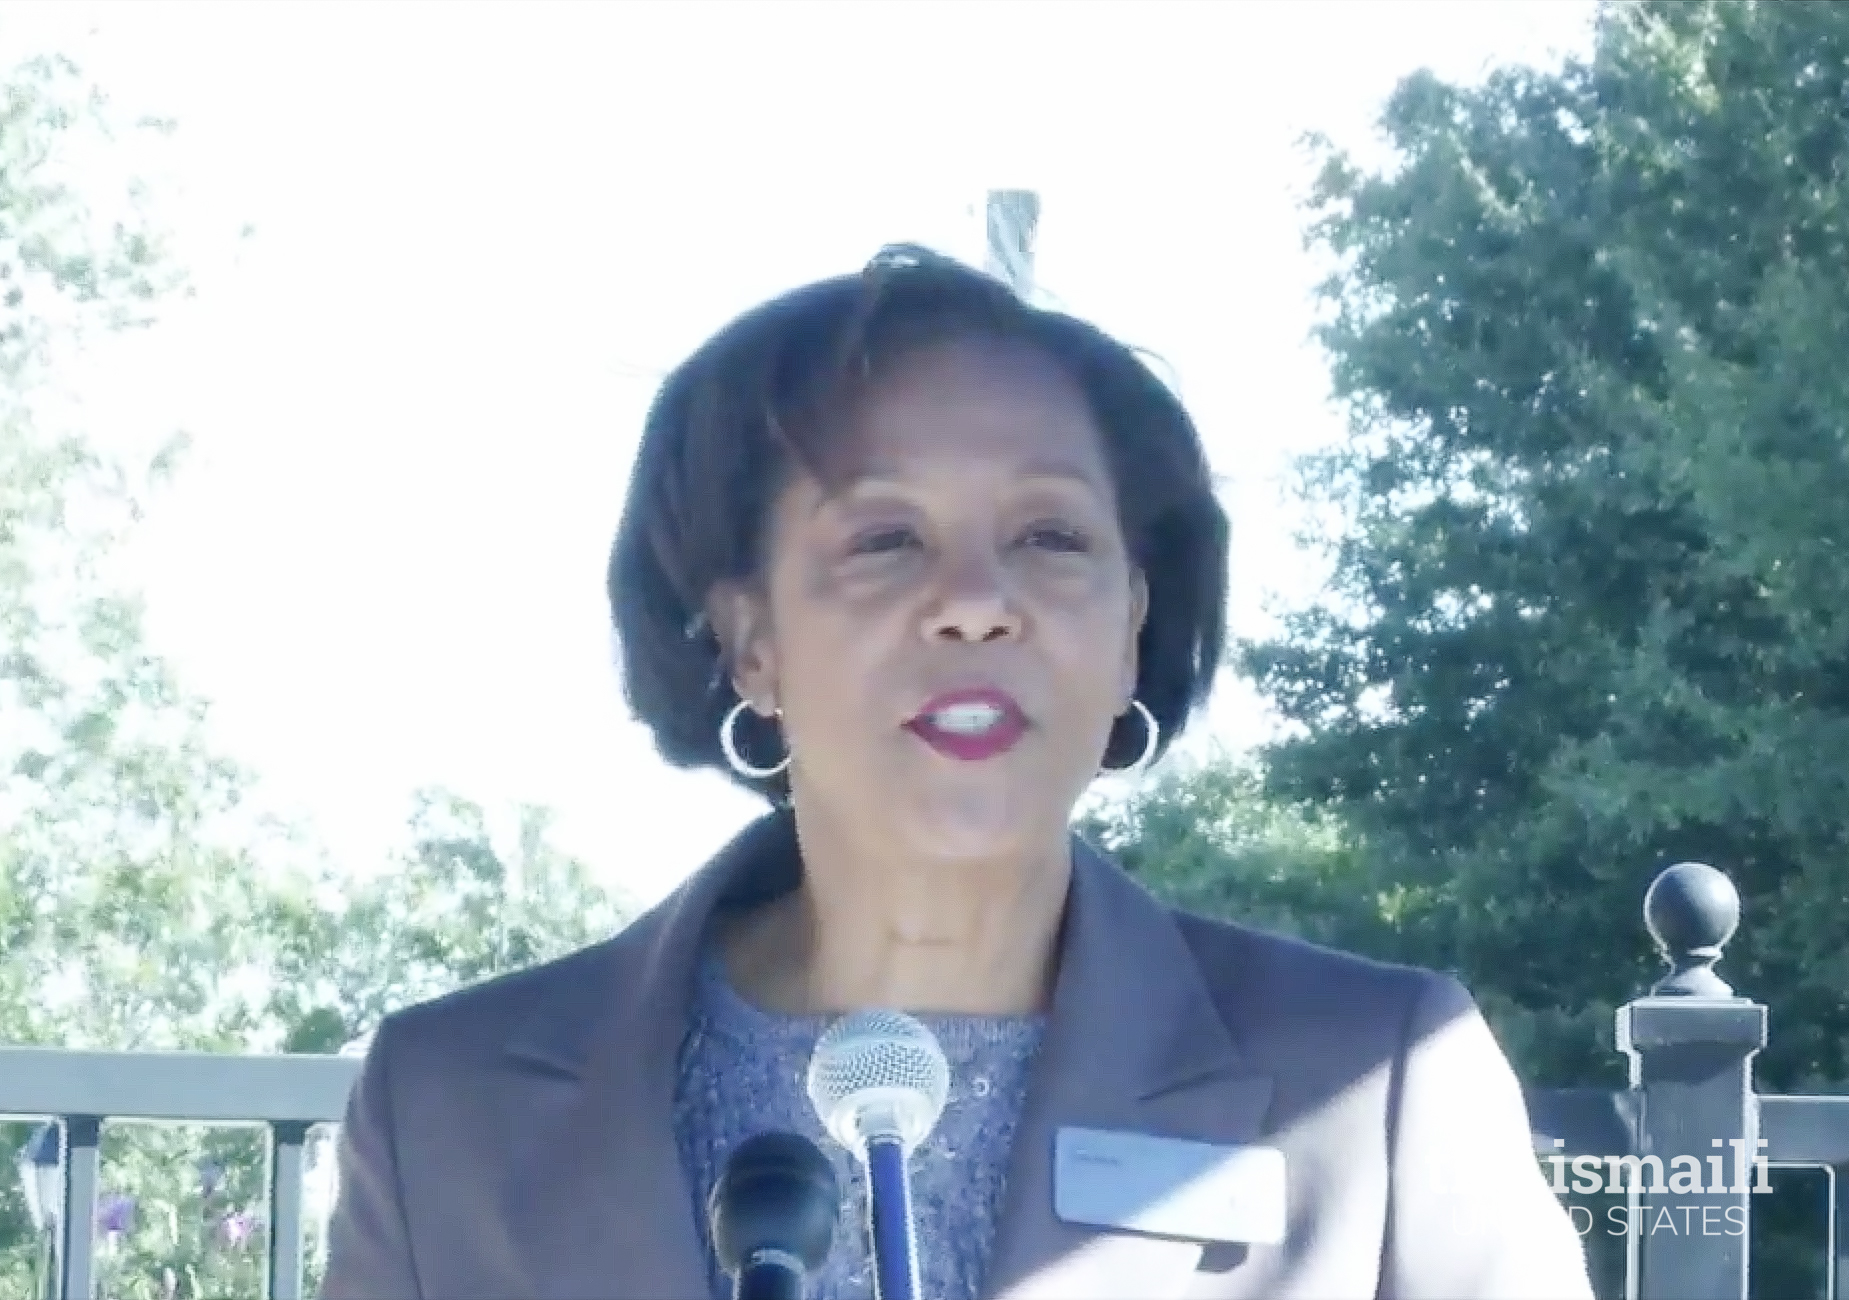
1139,614
739,619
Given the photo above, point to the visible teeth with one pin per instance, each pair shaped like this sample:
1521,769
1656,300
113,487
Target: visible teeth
967,719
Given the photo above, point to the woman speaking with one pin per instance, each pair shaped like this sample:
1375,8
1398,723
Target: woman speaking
917,562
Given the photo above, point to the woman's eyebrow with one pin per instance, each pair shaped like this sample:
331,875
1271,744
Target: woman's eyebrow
888,478
1067,474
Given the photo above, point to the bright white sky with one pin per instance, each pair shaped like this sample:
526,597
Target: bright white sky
480,233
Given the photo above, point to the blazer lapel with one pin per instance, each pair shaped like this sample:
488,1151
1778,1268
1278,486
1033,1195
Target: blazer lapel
596,1203
596,1198
1134,1043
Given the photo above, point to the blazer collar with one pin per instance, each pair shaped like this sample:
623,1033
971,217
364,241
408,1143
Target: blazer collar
647,970
1134,1041
596,1198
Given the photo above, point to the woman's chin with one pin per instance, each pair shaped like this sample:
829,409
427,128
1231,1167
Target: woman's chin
975,825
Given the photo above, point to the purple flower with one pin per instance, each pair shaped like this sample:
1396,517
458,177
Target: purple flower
236,1228
116,1214
210,1176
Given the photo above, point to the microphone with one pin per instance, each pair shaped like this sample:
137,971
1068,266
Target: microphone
878,1082
773,1215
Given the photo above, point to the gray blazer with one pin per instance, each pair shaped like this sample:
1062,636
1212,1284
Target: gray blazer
514,1139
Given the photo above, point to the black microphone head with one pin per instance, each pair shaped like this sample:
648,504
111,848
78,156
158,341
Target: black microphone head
777,1192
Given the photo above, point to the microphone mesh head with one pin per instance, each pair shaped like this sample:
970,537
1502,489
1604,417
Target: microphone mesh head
878,1074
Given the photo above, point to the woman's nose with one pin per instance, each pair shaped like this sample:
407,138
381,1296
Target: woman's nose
973,601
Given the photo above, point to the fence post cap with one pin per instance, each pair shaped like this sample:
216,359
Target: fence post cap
1692,910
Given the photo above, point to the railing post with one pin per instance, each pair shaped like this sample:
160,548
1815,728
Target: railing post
1691,1044
1837,1273
77,1219
284,1266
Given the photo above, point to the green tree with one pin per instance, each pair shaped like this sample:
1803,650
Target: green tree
1590,606
143,905
450,911
121,902
1205,837
80,761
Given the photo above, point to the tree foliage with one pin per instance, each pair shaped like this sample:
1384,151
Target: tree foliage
452,910
1589,609
143,904
1205,837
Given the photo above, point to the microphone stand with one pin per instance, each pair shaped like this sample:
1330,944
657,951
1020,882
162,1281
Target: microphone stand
878,1081
889,1215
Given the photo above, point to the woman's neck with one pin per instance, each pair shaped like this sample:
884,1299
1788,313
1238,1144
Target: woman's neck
867,929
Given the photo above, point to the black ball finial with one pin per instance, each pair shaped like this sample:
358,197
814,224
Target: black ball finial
1692,911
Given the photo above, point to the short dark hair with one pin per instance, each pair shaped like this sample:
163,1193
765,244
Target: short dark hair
756,401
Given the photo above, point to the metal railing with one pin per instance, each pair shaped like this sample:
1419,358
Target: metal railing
287,1095
1691,1044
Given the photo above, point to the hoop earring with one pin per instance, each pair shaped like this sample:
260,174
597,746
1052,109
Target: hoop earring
1152,732
728,741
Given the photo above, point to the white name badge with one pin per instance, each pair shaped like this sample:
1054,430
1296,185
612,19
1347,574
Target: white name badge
1168,1187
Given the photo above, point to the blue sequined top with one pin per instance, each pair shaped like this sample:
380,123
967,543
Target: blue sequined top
742,1072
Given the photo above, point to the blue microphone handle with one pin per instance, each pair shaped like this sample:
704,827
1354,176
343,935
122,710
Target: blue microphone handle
889,1204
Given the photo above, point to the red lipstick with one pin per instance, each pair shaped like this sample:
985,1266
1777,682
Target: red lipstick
970,725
